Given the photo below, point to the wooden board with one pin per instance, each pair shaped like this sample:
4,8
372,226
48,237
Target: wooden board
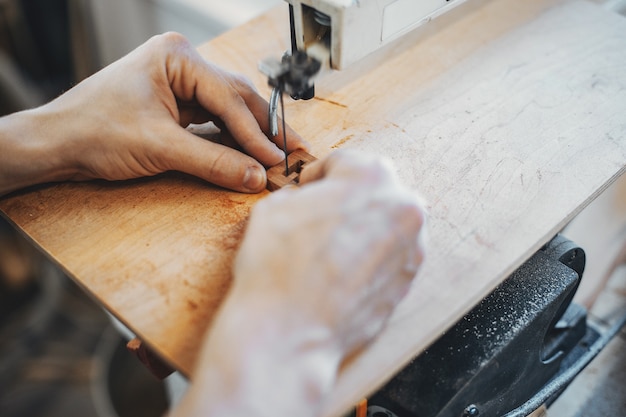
508,120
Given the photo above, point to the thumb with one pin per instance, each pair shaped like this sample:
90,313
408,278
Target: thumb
215,163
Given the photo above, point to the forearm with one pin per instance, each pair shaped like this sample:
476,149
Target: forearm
30,149
254,364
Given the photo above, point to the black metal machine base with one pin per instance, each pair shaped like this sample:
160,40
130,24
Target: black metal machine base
502,352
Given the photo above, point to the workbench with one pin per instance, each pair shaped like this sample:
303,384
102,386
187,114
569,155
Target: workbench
507,116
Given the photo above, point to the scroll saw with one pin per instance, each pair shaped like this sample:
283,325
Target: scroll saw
334,35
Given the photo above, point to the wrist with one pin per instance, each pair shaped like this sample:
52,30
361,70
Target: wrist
258,359
32,144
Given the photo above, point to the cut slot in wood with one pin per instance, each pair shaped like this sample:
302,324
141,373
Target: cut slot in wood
278,178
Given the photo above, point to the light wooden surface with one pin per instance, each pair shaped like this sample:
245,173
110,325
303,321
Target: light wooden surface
508,121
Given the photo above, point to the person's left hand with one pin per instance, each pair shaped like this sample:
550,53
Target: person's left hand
128,120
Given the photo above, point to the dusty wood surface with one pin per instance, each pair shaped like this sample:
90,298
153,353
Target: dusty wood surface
508,121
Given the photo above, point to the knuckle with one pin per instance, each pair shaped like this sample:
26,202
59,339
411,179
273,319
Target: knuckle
230,104
167,43
242,83
172,38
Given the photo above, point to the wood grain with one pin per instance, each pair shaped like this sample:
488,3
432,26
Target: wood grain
508,120
155,252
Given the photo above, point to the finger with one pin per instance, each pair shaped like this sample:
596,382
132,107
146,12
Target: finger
222,94
191,77
214,163
260,109
412,224
243,126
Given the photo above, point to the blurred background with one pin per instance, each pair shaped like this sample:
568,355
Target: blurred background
59,353
48,45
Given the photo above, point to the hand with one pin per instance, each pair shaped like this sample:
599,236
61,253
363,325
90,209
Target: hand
340,252
128,121
320,270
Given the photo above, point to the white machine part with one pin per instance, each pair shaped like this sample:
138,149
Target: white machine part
340,32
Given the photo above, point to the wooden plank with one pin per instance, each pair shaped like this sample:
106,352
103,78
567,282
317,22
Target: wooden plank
155,252
508,120
507,131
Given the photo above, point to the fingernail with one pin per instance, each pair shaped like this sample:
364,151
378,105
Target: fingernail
254,179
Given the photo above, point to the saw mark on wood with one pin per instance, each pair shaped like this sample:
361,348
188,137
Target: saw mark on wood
342,141
335,103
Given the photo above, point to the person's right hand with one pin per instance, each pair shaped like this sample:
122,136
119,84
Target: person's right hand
317,276
340,252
